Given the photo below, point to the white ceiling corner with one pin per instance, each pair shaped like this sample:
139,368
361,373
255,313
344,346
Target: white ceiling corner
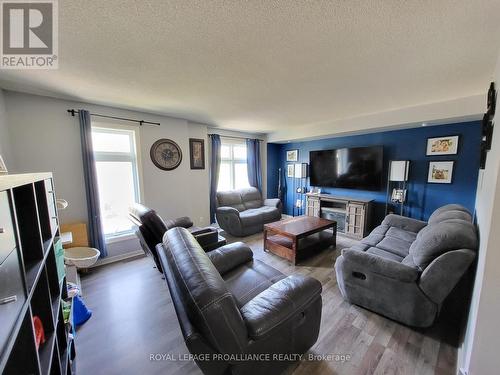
267,66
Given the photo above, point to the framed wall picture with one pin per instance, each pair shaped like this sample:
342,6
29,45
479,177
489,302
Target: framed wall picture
440,172
442,145
292,155
197,153
3,167
290,170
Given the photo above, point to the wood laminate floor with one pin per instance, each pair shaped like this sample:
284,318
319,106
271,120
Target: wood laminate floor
133,319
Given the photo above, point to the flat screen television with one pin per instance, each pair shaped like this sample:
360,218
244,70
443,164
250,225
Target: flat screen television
349,168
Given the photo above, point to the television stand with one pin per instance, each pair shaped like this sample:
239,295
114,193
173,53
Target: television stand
351,214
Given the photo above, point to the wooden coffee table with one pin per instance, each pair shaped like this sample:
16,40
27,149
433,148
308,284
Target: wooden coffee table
294,238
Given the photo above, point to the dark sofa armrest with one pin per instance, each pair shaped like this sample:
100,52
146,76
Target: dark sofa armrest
278,303
184,222
206,236
198,231
405,223
272,202
228,257
226,210
369,263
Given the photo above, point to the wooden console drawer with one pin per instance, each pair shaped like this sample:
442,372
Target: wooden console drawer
7,234
12,294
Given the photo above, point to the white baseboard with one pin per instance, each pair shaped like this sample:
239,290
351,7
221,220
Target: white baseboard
118,258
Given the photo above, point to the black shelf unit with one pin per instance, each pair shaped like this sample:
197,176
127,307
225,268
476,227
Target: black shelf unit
29,224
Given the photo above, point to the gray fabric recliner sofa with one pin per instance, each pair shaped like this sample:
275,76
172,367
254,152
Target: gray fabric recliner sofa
243,212
406,268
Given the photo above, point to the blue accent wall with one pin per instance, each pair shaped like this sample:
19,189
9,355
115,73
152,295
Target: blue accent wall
408,144
274,162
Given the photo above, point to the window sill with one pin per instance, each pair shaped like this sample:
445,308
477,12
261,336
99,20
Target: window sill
120,238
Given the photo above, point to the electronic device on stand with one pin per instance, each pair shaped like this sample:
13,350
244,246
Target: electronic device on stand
299,188
397,180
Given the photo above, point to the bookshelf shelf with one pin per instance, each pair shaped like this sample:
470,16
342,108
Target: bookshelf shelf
27,205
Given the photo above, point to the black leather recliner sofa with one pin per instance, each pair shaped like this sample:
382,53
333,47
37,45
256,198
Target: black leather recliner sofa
237,314
151,228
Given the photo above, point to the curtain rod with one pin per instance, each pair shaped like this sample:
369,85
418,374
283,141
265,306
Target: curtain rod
73,112
235,137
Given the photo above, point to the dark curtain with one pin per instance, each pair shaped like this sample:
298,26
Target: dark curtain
214,173
253,163
96,235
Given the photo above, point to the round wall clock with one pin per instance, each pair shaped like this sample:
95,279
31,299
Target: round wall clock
166,154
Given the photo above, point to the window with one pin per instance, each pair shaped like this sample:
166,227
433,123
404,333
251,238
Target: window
233,166
117,177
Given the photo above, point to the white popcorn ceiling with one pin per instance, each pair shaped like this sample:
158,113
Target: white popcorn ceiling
262,65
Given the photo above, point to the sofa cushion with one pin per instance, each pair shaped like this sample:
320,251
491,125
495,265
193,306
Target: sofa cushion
408,261
360,246
441,237
251,197
395,246
381,229
451,215
184,222
252,204
231,198
251,278
251,217
384,254
404,223
269,214
228,257
373,239
402,234
448,207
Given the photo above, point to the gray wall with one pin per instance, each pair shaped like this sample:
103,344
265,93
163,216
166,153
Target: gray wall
4,135
47,138
44,137
479,352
